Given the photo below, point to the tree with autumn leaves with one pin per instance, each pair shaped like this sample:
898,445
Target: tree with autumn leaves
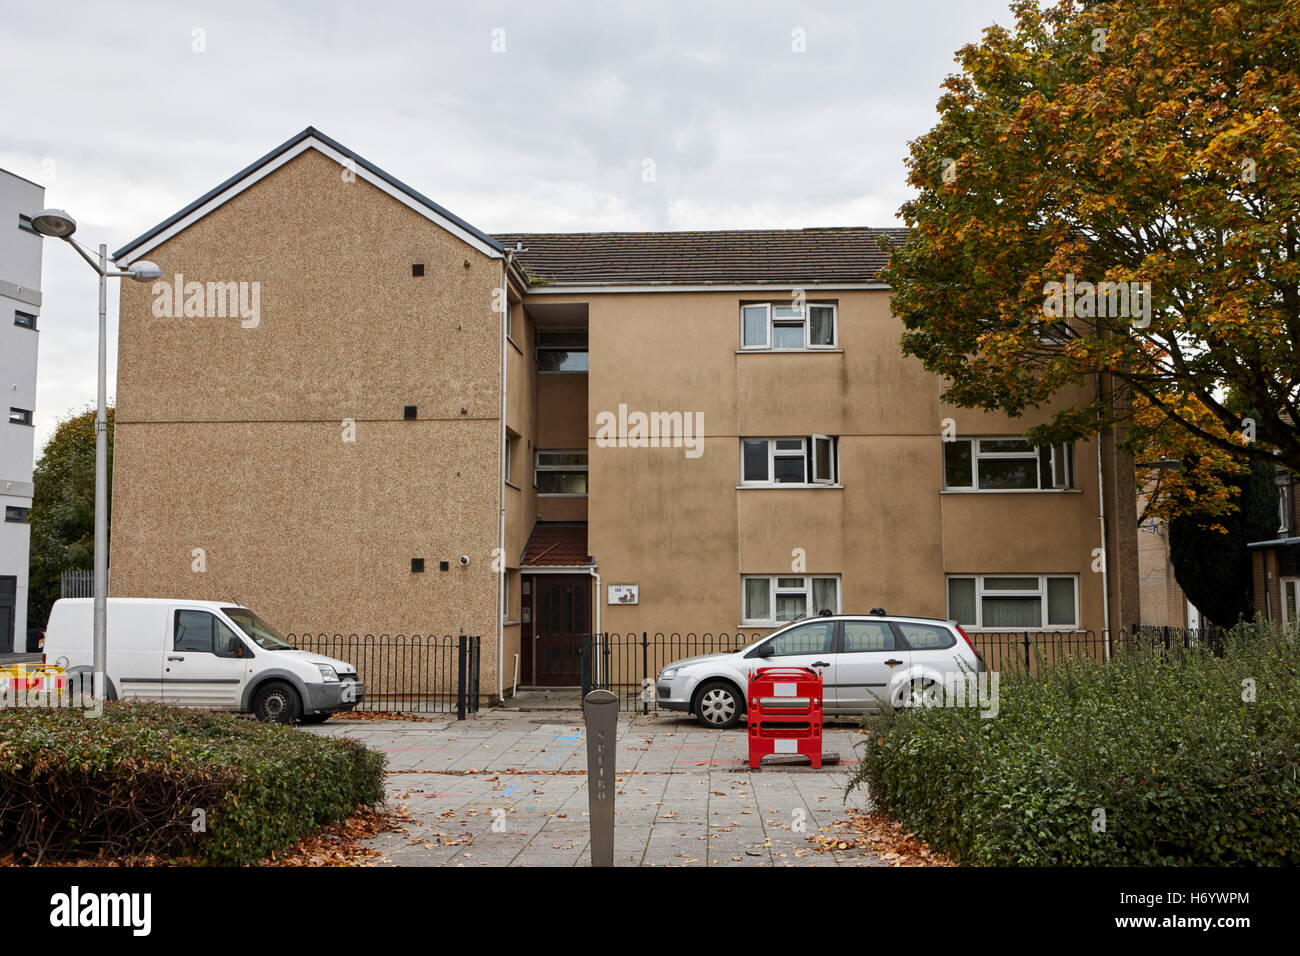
1153,145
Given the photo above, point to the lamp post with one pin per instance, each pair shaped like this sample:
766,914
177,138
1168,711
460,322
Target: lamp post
57,224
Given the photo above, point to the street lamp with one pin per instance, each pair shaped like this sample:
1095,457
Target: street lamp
1171,465
57,224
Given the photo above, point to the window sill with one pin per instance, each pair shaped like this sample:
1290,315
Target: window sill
555,494
513,485
787,485
1011,491
1054,629
509,623
835,351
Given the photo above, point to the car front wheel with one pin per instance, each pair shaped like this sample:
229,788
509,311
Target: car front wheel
718,705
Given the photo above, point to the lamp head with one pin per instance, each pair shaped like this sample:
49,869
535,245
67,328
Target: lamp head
144,271
54,223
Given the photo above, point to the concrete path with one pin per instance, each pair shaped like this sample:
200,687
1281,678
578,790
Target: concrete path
509,789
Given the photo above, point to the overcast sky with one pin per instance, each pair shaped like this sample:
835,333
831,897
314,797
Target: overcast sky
125,114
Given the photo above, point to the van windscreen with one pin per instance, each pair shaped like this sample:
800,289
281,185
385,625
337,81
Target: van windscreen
263,634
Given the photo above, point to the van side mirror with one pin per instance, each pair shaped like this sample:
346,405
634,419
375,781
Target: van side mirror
767,650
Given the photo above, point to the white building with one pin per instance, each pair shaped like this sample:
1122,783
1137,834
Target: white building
20,307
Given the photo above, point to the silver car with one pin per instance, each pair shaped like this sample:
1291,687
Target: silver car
866,661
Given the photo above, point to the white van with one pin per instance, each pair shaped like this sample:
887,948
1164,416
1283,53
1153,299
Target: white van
210,654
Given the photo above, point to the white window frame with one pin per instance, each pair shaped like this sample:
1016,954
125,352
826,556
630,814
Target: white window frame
767,326
835,325
539,467
1061,456
1041,593
804,317
806,443
772,591
819,479
1284,507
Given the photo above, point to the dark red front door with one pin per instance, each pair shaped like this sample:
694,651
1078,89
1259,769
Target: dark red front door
562,614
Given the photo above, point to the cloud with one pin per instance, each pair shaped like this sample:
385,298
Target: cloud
550,134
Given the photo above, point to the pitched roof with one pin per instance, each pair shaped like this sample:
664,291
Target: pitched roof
308,138
556,543
786,256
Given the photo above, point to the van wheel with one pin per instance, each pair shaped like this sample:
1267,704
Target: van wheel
313,718
718,705
276,703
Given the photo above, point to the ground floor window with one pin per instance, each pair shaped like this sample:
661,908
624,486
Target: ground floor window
779,599
1007,602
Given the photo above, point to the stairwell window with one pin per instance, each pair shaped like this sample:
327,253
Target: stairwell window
808,460
562,351
20,416
561,473
780,327
1006,464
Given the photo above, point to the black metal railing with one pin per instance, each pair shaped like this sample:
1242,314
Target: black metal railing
628,664
408,674
1006,651
1207,637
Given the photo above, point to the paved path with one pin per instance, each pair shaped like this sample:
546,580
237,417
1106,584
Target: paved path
509,789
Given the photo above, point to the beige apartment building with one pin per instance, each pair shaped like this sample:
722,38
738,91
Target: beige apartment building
325,416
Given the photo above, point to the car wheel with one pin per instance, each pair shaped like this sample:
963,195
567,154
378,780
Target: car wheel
313,718
719,705
276,703
913,694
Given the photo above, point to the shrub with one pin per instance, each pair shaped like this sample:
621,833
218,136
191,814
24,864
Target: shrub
129,782
1184,767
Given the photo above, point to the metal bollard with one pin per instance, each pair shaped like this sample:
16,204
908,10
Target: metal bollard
600,708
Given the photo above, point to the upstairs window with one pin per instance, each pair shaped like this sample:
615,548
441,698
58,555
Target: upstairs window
24,319
1006,464
561,473
808,460
786,328
20,416
17,515
25,224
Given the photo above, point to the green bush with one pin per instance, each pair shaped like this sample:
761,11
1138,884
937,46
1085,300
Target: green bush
1185,769
129,782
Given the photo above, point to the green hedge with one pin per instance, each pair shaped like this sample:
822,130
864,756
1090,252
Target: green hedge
1185,770
128,782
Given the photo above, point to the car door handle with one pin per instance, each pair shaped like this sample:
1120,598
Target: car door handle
820,664
176,658
893,663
